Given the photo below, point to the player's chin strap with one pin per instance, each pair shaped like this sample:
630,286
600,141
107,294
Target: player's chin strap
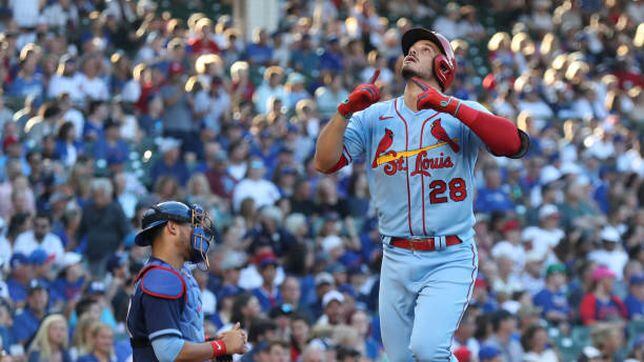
200,238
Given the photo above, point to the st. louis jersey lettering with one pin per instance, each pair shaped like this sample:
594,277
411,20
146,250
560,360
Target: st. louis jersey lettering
430,155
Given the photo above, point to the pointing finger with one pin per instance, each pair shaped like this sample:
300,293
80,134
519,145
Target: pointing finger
421,83
375,76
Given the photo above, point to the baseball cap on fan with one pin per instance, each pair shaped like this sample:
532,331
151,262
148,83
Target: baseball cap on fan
548,210
610,234
331,296
602,272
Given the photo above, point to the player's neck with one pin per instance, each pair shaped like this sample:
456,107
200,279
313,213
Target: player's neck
412,91
168,256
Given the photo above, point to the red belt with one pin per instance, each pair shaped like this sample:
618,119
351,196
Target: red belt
428,244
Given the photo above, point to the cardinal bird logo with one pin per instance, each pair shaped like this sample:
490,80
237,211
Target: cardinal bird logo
384,144
440,134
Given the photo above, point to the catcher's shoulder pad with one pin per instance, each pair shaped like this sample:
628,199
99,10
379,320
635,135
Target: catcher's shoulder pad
162,282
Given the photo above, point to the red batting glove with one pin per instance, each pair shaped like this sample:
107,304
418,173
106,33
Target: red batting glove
431,98
361,97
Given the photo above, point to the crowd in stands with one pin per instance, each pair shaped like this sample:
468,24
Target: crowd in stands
109,106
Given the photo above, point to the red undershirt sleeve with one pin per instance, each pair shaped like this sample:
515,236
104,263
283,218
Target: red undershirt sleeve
499,134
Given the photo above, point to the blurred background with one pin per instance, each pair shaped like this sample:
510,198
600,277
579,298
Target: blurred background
109,106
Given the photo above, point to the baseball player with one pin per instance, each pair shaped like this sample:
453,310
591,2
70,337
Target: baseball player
421,149
165,319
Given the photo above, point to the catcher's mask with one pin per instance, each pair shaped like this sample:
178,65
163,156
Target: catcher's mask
202,226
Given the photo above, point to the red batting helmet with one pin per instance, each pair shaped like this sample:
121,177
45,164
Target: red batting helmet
444,64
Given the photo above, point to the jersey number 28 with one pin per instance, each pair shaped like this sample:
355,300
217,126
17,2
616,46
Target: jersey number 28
457,190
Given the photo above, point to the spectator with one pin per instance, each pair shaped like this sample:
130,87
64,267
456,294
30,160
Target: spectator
304,58
600,304
492,197
96,295
469,27
112,147
328,97
25,13
259,52
535,343
51,341
69,284
6,114
214,103
612,255
5,325
82,337
635,300
506,282
66,80
203,43
20,275
295,91
490,353
334,309
299,335
40,238
178,121
97,115
62,16
268,294
170,164
28,82
290,291
103,226
504,326
553,299
208,299
271,88
608,339
93,87
263,192
359,320
544,238
101,345
448,23
231,267
26,323
511,245
119,289
332,58
246,307
67,146
281,315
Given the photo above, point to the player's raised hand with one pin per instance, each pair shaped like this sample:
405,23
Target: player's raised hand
361,97
432,98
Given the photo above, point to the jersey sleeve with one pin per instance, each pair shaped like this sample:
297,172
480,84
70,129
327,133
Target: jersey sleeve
355,137
162,316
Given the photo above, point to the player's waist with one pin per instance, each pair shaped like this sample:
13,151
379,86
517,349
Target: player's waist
428,243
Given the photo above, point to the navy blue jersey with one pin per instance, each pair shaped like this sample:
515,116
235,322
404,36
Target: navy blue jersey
166,302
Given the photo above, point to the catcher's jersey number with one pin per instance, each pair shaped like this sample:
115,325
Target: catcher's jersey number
441,191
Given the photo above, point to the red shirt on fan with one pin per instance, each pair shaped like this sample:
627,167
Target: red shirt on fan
203,46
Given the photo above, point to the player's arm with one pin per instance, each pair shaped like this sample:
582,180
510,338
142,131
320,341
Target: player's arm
500,135
232,342
330,143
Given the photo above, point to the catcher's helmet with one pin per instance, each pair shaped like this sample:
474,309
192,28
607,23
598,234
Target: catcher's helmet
161,213
444,64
